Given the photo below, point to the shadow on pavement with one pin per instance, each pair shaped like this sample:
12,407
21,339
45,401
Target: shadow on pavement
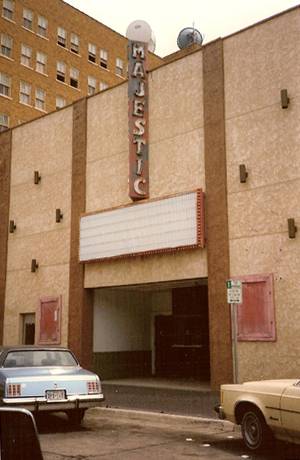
55,423
279,450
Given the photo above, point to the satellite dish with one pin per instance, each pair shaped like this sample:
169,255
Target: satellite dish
139,31
188,36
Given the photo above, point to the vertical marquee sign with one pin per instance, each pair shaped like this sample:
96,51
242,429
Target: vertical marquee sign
138,120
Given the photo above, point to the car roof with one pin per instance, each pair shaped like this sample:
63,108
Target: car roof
31,347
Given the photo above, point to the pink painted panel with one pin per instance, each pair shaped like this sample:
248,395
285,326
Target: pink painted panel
256,315
49,320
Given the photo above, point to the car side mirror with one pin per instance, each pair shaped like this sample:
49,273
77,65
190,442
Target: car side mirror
18,435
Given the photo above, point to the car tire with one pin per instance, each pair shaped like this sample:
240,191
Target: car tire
256,434
75,416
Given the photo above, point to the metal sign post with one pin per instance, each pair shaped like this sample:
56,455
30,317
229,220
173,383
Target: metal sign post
233,308
234,298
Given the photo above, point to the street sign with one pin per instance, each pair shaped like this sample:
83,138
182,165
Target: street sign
234,297
234,291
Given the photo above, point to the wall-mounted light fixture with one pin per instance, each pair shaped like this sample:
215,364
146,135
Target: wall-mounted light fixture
34,265
12,226
36,177
243,173
58,215
292,228
285,100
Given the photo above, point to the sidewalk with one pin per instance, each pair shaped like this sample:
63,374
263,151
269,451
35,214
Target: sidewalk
180,397
167,421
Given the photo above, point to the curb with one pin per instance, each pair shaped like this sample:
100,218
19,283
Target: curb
173,419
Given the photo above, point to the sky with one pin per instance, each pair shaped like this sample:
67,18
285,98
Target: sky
213,18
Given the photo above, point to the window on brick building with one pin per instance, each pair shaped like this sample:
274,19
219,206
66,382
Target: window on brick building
40,99
256,315
42,29
92,52
41,62
25,93
119,67
103,58
61,37
61,71
4,122
60,102
27,19
5,84
103,85
74,43
26,55
6,45
92,83
74,77
8,9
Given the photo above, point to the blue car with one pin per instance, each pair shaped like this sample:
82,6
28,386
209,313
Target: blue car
47,379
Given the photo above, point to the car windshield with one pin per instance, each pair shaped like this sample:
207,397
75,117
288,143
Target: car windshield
30,358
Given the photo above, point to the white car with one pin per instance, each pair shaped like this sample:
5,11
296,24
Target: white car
264,409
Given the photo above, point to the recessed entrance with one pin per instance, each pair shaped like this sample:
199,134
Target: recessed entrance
181,339
152,330
28,328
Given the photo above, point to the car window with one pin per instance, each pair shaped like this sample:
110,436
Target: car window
33,358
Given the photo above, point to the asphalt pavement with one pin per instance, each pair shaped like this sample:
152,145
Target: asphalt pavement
118,434
152,419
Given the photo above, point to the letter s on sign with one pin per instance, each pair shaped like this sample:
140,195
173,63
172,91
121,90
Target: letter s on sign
136,186
139,124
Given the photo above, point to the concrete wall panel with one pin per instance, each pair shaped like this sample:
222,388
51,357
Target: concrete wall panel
33,207
260,134
44,145
176,100
259,62
121,320
147,269
23,291
265,142
175,136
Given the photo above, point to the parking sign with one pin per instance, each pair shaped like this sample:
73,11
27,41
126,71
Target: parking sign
234,291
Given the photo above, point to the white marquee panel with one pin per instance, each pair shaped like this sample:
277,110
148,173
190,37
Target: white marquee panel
140,228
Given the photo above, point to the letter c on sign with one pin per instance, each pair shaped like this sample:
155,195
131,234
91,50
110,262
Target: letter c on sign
136,186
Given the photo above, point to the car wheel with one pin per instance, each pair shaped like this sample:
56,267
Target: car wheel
256,434
75,416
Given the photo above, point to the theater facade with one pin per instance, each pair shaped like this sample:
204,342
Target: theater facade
124,214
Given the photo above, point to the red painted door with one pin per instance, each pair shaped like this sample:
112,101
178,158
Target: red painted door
49,320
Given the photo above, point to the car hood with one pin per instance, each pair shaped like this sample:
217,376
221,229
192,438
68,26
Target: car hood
44,371
272,386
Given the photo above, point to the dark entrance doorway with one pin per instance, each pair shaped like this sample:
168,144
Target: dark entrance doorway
182,339
28,328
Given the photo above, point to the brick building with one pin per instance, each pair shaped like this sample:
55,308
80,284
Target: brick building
140,287
51,54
